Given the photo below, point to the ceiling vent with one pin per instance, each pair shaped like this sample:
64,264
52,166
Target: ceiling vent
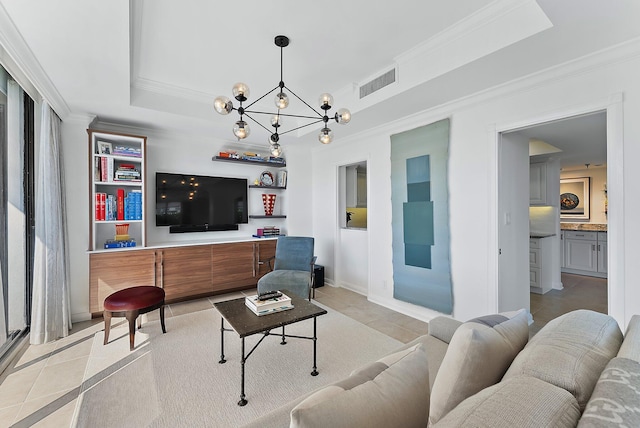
378,83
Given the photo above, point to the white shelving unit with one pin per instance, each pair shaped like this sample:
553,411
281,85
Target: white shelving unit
103,155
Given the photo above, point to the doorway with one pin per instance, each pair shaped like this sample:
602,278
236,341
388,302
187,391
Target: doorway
512,239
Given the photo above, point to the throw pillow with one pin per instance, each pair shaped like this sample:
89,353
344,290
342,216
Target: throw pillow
479,354
615,399
393,391
519,402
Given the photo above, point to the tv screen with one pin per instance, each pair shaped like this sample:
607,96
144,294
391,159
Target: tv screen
191,203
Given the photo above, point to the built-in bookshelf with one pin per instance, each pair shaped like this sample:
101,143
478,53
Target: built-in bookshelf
117,190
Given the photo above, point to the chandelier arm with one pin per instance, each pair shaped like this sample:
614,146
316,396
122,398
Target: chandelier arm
303,126
261,125
281,114
277,87
304,102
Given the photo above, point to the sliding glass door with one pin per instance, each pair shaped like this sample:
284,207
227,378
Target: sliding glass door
16,210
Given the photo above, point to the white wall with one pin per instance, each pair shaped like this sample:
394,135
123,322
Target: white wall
473,197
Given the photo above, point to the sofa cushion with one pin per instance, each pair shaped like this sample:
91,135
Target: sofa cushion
631,346
518,402
393,391
570,352
616,396
478,356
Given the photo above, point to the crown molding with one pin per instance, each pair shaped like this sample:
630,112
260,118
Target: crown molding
19,61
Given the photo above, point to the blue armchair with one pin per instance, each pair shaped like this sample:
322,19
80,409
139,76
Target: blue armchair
292,268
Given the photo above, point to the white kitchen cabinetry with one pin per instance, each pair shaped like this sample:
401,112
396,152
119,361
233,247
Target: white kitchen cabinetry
540,278
562,262
585,253
538,184
602,252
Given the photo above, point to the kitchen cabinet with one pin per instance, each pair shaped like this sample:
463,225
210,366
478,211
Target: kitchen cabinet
585,253
562,262
602,252
538,184
540,278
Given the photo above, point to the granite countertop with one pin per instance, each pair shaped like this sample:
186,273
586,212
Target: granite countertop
595,227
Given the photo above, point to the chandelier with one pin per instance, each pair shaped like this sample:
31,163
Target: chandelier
241,130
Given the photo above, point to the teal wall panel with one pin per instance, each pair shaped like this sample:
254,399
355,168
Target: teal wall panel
420,217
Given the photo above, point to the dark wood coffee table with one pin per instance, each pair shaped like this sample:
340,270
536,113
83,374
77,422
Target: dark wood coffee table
245,323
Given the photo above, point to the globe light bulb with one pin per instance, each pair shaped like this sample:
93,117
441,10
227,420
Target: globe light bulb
240,91
281,100
325,101
276,150
276,120
241,129
343,116
222,105
325,136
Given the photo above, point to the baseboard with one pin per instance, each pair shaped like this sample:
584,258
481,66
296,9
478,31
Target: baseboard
584,272
355,288
83,316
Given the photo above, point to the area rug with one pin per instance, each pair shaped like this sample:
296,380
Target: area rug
175,380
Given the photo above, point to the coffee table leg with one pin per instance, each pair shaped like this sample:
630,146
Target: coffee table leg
315,369
242,401
284,342
222,360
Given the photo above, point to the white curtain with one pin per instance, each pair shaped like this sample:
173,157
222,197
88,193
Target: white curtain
50,312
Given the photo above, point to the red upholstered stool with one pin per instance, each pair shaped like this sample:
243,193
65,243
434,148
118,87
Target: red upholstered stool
130,303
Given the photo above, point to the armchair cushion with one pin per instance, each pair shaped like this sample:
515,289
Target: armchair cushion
296,281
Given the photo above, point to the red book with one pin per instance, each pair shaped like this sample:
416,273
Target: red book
97,206
120,205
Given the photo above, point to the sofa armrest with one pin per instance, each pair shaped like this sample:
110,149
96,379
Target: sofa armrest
443,328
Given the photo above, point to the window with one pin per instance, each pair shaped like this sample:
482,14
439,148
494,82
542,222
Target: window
16,210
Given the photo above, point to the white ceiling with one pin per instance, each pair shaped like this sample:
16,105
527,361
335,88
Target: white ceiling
160,63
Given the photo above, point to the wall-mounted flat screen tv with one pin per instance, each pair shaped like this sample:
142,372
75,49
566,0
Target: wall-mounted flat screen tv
197,203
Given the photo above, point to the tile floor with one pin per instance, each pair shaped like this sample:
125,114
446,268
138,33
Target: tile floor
41,386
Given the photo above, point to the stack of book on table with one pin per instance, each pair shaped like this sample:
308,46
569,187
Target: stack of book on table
269,305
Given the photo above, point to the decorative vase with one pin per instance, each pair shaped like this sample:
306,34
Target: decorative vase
269,201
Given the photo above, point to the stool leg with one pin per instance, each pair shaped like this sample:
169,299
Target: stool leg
107,325
131,317
164,330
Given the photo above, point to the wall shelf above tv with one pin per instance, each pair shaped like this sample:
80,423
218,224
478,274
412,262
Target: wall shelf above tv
248,161
267,216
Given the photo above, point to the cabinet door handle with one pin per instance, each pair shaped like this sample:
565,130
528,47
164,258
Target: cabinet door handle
598,247
577,234
593,247
255,250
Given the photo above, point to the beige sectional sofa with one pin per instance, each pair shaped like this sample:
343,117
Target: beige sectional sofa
579,370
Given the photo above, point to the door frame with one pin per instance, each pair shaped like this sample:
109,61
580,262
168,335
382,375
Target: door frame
616,287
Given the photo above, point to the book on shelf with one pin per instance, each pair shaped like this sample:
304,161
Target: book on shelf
112,243
133,152
263,307
281,179
101,201
120,204
268,231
